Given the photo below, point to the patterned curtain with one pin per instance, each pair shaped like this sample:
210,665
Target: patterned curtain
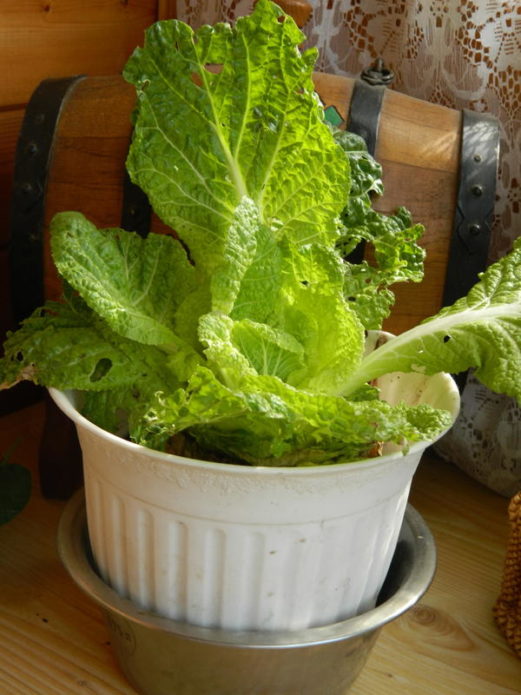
459,53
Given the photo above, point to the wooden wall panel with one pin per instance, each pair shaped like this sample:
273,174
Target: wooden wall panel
57,38
166,9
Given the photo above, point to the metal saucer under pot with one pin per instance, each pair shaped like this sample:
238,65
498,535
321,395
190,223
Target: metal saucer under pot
160,656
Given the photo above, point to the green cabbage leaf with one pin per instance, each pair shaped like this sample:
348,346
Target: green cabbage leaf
243,331
230,112
481,331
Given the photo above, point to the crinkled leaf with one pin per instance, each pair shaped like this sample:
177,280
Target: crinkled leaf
228,112
237,348
270,423
247,341
118,409
67,346
312,308
268,350
260,287
134,284
393,239
481,330
366,172
195,304
313,339
371,302
240,246
109,409
397,257
224,358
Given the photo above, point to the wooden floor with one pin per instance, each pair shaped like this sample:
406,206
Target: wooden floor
53,640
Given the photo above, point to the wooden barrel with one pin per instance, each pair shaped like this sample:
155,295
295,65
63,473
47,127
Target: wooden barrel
88,132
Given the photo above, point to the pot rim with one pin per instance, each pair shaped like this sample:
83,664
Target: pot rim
416,544
64,401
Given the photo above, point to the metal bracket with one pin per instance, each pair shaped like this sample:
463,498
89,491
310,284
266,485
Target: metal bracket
33,154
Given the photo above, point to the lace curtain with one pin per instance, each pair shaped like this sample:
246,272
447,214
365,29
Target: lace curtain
462,54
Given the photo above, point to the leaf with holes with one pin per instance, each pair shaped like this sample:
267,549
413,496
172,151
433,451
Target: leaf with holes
66,345
480,331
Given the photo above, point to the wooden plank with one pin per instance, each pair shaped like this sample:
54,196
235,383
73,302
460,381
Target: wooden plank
58,38
418,133
166,9
411,131
424,190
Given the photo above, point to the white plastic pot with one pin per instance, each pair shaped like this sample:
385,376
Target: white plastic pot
248,548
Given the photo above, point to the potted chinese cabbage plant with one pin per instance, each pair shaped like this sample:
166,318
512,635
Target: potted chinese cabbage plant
249,434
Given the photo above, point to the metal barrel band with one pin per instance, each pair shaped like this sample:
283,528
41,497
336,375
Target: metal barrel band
473,217
33,156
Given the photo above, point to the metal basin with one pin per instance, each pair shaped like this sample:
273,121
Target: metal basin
165,657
